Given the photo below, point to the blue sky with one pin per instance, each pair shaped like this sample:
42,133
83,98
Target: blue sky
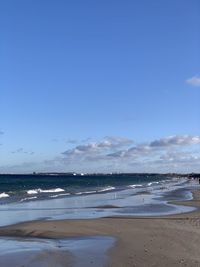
83,80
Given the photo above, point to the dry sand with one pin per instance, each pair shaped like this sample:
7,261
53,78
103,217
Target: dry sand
143,242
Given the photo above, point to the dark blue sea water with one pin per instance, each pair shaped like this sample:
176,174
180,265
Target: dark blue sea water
29,187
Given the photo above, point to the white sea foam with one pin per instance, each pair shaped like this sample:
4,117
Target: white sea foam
3,195
90,192
55,190
86,192
149,184
59,195
39,190
27,198
108,188
32,191
135,185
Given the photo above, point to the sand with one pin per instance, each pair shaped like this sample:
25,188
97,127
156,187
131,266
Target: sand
164,241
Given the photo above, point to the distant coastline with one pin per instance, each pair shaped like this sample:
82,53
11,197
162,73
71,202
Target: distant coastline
189,175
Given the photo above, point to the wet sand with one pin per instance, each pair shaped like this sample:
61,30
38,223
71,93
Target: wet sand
44,258
152,241
46,252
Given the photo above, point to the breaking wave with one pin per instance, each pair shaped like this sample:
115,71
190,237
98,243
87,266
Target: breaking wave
39,190
3,195
108,188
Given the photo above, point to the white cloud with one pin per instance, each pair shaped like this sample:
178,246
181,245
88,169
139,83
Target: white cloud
156,146
176,140
164,154
108,144
111,147
178,153
118,141
133,152
180,157
194,81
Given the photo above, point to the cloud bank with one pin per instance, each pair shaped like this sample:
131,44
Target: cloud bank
172,153
177,153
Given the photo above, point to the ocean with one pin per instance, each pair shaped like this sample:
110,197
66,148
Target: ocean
59,196
18,188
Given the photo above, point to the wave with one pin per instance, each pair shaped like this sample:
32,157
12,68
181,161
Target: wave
56,190
32,191
27,198
3,195
86,192
108,188
39,190
135,185
152,183
59,195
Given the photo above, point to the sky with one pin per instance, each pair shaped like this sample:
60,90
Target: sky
99,86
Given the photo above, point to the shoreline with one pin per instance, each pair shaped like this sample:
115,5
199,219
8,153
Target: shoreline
171,240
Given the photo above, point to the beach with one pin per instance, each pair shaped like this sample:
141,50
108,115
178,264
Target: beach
100,133
171,240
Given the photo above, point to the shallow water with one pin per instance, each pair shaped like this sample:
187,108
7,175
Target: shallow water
35,252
